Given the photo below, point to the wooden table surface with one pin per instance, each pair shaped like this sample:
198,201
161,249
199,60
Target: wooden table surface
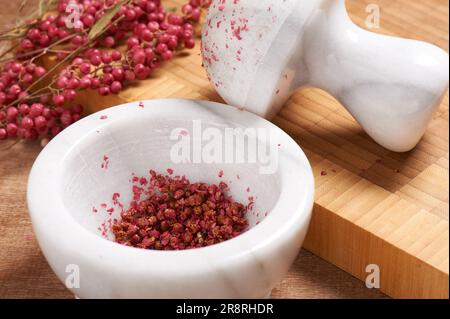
24,273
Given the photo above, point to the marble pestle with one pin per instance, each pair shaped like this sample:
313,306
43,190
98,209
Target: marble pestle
258,52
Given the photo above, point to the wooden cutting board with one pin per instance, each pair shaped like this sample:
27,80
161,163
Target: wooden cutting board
372,206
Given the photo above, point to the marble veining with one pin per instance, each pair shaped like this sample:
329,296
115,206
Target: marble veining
258,52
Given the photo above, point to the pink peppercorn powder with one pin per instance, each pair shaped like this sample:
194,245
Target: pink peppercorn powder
169,212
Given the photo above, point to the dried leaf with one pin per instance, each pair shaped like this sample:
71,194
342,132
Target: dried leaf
50,4
12,35
42,8
101,24
22,5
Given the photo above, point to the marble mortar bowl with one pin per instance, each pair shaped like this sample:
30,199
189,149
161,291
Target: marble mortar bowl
93,159
258,52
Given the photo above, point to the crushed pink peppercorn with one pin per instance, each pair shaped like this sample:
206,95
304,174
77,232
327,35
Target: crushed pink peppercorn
177,214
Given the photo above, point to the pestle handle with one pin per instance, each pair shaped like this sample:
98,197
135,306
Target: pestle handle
391,86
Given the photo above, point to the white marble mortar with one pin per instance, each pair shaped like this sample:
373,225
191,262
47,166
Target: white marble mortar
68,180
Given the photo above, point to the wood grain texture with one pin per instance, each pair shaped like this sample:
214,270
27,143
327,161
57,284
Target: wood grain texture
372,206
24,272
379,207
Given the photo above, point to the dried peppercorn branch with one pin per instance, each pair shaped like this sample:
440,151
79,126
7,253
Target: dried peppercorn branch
36,102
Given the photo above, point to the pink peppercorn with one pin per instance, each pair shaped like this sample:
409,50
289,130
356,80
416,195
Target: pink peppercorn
178,214
115,87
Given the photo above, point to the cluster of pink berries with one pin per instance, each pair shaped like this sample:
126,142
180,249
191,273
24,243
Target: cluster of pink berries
14,76
36,120
145,32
